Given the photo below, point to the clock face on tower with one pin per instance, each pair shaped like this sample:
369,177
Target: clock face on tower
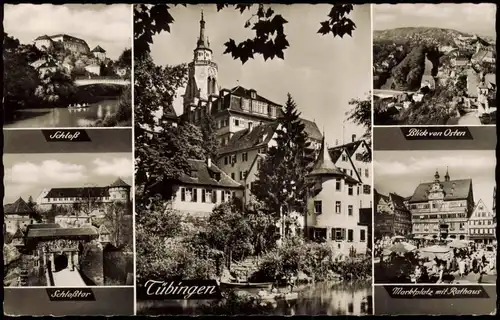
211,72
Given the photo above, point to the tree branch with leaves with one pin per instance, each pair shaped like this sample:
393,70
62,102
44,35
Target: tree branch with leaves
270,40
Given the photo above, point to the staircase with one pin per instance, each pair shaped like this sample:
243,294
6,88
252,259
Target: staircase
245,268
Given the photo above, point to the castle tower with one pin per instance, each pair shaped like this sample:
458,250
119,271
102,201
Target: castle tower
202,72
447,176
436,176
119,191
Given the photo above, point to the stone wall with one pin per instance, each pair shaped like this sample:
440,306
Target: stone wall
91,262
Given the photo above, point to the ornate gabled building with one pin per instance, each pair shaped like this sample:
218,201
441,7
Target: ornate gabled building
350,158
333,211
392,217
232,109
482,227
442,204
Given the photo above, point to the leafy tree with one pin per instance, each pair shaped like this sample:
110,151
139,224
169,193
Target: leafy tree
125,59
361,115
119,224
208,130
281,184
408,74
269,40
229,231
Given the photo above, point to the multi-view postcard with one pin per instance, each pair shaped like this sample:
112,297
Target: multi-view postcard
67,65
434,64
249,159
253,166
68,223
435,247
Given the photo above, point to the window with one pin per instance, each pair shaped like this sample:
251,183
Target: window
351,173
367,173
244,156
350,235
339,234
357,190
226,160
245,174
350,210
183,194
228,195
214,196
338,208
350,190
362,236
318,207
203,195
359,171
194,195
366,189
338,184
359,157
222,196
237,122
344,157
241,175
232,175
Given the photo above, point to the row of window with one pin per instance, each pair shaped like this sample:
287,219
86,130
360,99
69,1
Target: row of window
205,195
339,234
75,199
442,216
437,205
480,222
318,207
482,214
242,176
254,106
482,231
231,159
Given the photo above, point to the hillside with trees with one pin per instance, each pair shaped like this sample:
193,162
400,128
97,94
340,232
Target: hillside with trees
408,73
427,35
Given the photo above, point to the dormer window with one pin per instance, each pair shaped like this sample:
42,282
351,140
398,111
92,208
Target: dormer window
253,94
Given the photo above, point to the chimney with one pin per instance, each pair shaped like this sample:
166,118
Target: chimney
353,138
209,163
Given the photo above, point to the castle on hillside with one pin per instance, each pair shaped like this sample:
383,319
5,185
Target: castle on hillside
70,43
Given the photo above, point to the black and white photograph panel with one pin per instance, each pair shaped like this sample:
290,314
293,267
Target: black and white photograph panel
253,156
434,64
67,65
67,210
435,218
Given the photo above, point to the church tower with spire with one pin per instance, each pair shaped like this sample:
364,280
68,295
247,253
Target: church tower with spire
202,72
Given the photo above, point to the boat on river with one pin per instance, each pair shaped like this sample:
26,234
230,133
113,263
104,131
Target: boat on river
246,285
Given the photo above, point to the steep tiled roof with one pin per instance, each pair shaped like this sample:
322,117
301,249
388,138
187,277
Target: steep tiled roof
398,201
482,54
20,207
44,37
312,129
78,192
453,190
246,139
119,183
349,147
490,78
205,176
60,232
324,166
98,49
246,93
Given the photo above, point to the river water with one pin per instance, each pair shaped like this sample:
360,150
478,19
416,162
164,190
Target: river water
63,117
320,299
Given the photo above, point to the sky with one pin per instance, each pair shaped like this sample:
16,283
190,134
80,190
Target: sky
27,174
321,73
403,171
109,26
465,17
